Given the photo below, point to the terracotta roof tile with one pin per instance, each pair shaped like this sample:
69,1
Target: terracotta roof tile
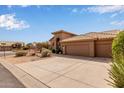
93,36
78,38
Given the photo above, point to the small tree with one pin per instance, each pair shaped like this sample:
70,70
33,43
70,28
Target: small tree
29,45
45,45
117,68
39,46
17,46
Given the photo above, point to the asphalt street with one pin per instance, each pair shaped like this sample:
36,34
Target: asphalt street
7,80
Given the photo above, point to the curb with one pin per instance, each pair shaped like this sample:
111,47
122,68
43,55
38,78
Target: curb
26,79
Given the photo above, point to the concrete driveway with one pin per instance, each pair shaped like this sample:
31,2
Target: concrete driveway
69,71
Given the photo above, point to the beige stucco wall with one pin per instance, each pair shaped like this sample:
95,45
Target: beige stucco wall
65,35
61,36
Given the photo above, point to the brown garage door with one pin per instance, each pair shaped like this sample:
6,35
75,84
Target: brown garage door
103,48
78,49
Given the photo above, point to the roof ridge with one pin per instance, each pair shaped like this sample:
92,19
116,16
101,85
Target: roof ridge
64,32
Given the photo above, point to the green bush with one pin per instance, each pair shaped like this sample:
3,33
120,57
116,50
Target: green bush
20,53
118,47
25,48
117,68
46,52
53,51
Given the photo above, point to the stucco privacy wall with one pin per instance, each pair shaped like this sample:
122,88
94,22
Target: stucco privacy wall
6,48
80,48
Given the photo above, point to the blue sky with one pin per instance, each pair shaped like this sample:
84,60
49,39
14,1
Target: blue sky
35,23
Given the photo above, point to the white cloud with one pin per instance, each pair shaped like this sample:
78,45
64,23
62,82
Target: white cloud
10,22
9,6
77,10
74,10
114,10
106,9
113,15
117,23
23,6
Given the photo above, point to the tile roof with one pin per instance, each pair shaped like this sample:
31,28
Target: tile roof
62,31
94,36
51,38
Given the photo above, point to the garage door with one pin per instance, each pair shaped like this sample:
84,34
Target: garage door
103,48
78,50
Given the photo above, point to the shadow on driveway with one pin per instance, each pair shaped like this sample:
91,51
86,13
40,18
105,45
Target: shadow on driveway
95,59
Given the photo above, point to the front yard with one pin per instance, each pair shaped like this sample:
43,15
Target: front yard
23,59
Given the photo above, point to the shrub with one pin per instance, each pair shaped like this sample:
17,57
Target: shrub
117,68
46,52
25,48
39,46
20,53
53,51
58,51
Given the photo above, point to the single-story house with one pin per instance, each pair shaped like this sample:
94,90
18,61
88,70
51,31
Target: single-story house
93,44
7,45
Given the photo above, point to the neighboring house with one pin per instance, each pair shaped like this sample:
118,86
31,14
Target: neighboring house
94,44
7,45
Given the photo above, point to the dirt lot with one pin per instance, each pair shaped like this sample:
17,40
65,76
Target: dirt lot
23,59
